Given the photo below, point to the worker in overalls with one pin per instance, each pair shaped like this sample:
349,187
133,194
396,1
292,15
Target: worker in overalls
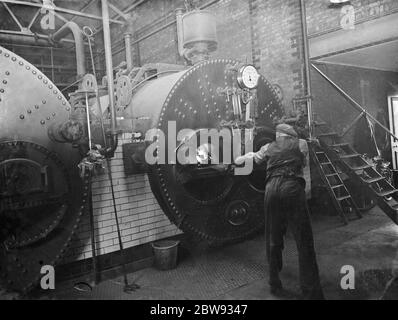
285,204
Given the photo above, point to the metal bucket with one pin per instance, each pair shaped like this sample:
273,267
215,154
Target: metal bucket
165,252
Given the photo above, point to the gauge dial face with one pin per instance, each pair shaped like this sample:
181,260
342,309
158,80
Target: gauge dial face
248,77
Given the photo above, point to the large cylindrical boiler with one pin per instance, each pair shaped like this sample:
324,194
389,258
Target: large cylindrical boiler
219,207
42,196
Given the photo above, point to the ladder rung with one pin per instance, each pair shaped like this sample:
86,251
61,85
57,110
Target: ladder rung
373,180
337,145
320,152
329,134
331,175
349,156
320,123
324,163
343,198
338,186
386,193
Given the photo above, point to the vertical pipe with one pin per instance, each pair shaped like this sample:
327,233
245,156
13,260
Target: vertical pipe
52,65
127,41
307,67
108,62
127,44
180,31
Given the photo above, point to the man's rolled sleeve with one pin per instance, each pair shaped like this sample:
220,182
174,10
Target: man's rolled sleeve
262,154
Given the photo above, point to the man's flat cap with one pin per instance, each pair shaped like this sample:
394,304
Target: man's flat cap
286,129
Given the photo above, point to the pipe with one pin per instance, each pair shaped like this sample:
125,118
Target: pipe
27,38
127,41
109,63
72,27
307,67
59,9
180,35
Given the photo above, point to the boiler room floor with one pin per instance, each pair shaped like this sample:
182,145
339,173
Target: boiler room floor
239,271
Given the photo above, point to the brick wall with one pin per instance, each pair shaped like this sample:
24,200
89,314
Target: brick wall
140,217
277,44
266,33
322,19
233,32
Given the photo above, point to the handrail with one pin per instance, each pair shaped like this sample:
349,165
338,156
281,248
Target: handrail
353,102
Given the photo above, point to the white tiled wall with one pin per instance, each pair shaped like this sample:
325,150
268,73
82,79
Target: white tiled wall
140,217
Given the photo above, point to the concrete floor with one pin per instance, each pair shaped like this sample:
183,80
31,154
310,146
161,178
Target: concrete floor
239,271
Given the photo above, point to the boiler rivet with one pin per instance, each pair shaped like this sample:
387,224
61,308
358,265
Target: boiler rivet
42,122
21,117
36,106
29,111
7,73
5,81
44,101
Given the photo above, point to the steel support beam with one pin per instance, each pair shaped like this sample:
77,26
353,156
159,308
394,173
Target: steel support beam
109,63
307,67
63,10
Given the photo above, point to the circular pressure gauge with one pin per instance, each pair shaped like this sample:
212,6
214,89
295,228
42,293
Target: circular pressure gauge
248,77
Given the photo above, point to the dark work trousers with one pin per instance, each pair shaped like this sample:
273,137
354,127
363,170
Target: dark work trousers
285,205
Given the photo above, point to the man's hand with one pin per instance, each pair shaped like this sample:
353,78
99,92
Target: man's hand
240,160
314,141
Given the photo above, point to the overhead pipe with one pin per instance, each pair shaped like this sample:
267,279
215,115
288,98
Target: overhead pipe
72,27
27,38
24,39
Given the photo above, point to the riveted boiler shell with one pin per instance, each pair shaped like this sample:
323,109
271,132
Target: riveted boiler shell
42,194
193,100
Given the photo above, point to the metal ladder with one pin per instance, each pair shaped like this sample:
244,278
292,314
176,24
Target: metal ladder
339,194
360,170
